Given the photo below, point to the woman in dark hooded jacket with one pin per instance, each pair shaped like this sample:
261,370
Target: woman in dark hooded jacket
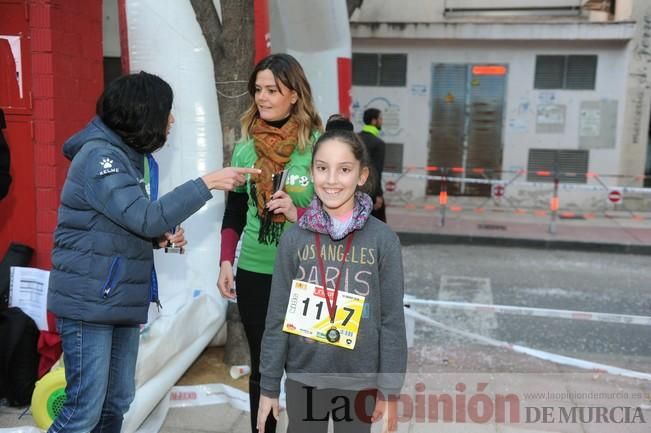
110,218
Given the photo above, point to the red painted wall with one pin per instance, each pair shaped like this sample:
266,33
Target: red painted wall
345,84
61,43
261,29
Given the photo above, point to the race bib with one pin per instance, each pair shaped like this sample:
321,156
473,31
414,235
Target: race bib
307,315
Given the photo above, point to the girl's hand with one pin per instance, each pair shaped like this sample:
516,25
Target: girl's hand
177,238
266,405
387,410
281,203
226,282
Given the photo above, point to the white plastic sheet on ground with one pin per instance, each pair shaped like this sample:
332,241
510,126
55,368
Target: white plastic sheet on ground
189,396
203,395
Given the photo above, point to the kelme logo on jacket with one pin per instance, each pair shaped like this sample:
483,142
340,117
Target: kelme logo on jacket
107,167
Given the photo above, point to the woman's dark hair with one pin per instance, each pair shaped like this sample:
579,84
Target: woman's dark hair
356,146
137,108
339,121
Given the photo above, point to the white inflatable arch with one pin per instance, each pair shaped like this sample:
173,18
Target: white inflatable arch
164,38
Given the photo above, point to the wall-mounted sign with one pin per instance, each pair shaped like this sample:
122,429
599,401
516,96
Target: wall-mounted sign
488,70
597,124
550,118
590,123
419,89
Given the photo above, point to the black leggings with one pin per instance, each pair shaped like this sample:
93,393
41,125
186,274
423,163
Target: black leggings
252,300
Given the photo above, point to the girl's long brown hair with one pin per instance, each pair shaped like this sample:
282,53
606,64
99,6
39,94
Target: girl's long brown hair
288,71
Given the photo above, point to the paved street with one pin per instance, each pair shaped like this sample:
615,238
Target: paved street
591,282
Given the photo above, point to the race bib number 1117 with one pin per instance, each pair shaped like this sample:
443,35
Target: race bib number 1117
307,315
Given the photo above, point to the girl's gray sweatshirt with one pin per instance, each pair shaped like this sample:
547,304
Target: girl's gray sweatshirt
373,269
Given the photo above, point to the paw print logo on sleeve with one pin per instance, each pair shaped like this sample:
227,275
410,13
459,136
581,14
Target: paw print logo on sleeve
106,163
107,167
304,181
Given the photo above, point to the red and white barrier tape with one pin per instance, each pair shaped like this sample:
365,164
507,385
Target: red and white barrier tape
562,186
537,312
544,173
540,354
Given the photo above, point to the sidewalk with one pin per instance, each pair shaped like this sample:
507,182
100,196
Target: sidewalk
620,231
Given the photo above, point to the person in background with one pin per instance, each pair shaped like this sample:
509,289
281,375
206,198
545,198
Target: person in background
5,159
278,131
340,122
362,347
110,218
376,147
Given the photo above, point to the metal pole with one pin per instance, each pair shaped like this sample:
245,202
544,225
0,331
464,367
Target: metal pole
554,205
443,196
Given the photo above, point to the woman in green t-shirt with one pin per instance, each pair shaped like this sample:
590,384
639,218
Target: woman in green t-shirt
278,130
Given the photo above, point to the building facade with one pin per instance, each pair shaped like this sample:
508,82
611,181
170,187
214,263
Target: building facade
508,89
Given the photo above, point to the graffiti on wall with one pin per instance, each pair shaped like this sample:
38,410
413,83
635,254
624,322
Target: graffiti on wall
518,120
638,110
390,113
643,54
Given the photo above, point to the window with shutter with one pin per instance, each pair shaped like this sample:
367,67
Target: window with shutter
571,165
393,70
575,72
388,70
365,69
581,71
515,7
549,72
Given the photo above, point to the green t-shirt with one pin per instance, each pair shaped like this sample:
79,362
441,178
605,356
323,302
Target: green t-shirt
254,256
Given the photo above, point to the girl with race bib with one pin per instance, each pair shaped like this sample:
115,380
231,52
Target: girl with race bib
335,321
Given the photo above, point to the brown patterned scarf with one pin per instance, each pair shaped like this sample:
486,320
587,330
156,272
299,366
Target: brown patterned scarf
273,147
